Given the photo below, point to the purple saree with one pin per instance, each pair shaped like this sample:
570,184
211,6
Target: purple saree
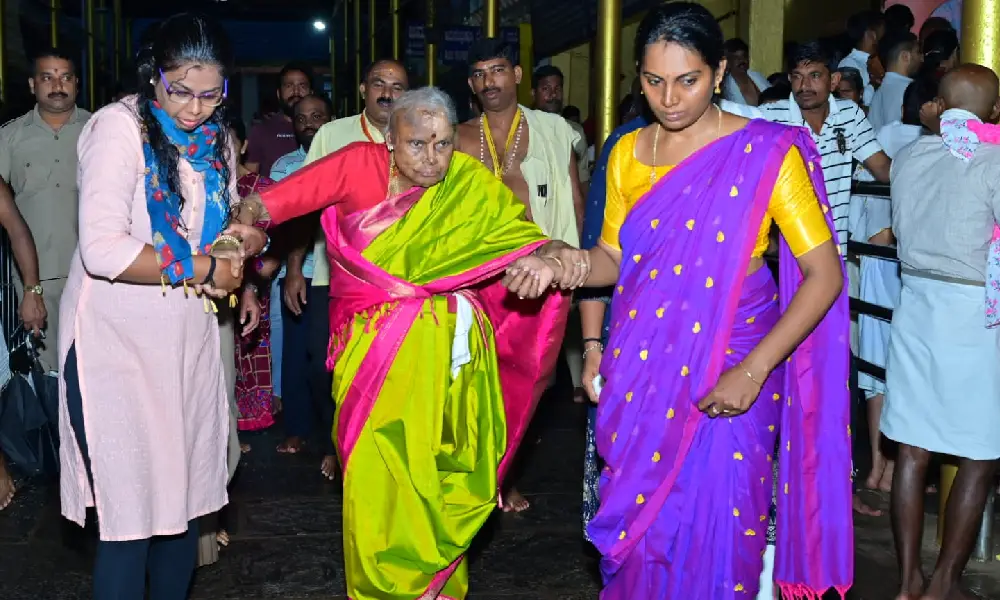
685,498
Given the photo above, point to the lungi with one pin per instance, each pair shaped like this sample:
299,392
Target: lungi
942,373
880,285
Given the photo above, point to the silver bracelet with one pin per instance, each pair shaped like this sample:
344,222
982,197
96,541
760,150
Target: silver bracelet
598,346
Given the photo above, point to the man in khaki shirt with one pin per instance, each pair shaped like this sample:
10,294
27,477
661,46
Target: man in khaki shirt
38,160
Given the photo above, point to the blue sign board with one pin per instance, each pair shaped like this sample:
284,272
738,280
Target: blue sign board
456,43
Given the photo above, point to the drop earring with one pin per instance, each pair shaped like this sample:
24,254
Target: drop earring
718,90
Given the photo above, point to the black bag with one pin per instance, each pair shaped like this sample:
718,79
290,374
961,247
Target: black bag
29,414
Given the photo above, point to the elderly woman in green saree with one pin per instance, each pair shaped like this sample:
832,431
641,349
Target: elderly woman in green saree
437,367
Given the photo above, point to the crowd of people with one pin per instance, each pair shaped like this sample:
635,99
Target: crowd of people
398,288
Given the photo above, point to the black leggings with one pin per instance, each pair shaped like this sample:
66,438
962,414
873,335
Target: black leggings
120,568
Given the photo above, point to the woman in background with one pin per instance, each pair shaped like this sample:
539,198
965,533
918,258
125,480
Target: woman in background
851,86
254,394
940,50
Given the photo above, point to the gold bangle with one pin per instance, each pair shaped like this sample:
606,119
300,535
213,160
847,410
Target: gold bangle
227,242
558,262
750,375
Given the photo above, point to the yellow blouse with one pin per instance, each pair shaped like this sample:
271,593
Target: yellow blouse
793,205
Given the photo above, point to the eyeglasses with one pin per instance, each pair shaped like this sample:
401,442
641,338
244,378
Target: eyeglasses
182,97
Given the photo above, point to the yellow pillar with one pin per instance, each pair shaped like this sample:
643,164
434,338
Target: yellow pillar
397,36
948,473
3,51
345,98
762,24
431,49
102,38
333,59
91,63
491,18
371,31
981,33
358,105
526,47
54,22
128,39
117,7
609,25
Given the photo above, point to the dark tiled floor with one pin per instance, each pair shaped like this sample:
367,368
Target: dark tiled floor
286,528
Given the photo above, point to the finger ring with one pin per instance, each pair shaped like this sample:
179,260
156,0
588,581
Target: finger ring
715,410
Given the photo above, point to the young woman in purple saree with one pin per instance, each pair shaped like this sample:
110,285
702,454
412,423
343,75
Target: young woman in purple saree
708,362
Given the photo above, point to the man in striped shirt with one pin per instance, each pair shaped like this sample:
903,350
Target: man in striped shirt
841,131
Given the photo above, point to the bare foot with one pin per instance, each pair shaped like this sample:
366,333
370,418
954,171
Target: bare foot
914,589
863,509
953,592
514,501
878,470
885,484
222,536
244,447
292,445
328,467
6,485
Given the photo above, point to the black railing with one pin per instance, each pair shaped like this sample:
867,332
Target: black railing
855,248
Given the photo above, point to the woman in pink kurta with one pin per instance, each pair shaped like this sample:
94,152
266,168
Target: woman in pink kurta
143,404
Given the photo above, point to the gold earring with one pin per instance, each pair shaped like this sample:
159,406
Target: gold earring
718,90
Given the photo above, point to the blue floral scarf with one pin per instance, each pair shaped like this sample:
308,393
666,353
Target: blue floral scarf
173,250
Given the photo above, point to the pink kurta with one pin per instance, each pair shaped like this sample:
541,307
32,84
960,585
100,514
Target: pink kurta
154,394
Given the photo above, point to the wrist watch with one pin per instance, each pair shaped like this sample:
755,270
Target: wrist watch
35,289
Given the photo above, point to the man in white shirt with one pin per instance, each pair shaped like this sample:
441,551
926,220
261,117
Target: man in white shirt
899,51
382,83
841,131
865,30
943,387
842,134
741,85
305,381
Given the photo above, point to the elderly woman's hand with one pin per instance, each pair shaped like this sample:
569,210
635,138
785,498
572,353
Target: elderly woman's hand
576,267
531,276
252,239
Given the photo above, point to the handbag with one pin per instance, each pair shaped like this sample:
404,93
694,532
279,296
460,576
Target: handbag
29,413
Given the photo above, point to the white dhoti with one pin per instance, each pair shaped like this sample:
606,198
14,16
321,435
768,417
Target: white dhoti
854,291
942,371
880,285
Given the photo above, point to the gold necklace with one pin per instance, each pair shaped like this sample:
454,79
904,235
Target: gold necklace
652,170
656,136
510,148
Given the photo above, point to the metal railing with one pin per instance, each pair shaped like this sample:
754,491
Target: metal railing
9,319
983,550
